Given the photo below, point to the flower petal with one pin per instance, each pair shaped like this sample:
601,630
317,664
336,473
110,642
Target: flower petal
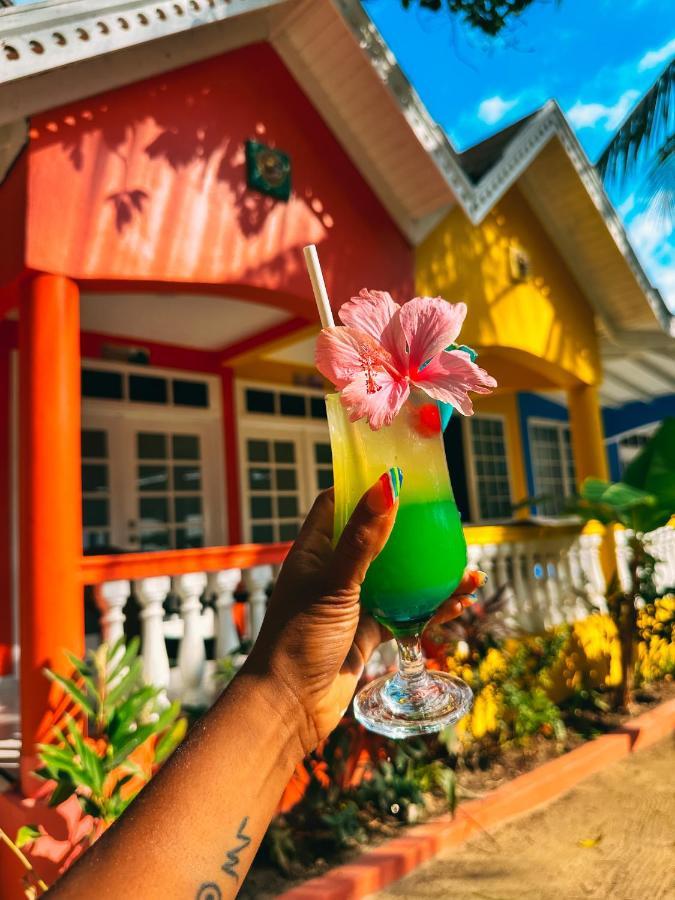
380,406
375,313
343,354
450,376
430,324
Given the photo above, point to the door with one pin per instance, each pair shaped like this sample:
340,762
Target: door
150,485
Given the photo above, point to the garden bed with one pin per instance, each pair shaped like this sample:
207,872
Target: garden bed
483,774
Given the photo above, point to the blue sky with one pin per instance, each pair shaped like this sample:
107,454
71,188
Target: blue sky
595,57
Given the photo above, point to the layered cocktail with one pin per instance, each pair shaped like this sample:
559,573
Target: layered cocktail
392,366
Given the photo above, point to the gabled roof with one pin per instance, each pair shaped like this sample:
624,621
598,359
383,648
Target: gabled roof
479,159
62,50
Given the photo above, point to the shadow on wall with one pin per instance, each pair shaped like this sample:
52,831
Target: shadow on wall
150,181
545,315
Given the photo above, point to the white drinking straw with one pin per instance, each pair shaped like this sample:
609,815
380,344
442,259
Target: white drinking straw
318,286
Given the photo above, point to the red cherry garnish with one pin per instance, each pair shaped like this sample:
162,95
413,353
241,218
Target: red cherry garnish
428,420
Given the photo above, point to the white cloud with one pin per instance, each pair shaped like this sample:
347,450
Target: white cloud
495,108
627,206
654,58
651,236
588,115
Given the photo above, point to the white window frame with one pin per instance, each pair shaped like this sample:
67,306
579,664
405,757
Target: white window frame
648,429
268,426
470,460
560,427
131,415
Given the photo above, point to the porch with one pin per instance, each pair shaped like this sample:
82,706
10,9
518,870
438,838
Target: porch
195,608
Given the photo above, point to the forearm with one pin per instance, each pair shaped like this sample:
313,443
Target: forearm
193,832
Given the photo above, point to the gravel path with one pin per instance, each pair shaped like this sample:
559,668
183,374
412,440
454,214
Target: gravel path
610,838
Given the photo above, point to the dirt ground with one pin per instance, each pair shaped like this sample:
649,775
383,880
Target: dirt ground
610,838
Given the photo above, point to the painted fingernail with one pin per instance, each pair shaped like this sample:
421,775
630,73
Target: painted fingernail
384,493
468,600
480,578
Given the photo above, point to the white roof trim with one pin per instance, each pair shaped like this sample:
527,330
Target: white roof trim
528,143
56,33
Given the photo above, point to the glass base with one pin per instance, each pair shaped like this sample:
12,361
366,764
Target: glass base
399,707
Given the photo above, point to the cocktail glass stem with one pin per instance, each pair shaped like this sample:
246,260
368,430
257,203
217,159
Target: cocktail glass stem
411,690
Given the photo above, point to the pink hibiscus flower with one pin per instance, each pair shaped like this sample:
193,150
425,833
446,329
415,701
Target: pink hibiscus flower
384,349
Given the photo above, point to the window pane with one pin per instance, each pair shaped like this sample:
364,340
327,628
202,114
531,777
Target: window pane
284,452
258,451
288,531
318,407
185,446
259,479
287,507
151,445
95,512
155,540
322,453
286,480
187,478
188,508
102,384
262,534
293,405
153,478
261,507
94,477
190,393
325,478
259,401
147,389
153,510
189,537
94,444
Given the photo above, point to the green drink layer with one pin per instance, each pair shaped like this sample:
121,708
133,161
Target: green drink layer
419,567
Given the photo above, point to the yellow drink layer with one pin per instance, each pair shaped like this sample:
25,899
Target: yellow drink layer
425,555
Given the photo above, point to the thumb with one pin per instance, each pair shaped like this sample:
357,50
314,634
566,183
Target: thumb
367,531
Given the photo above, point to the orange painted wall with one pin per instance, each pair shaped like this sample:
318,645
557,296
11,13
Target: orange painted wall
148,183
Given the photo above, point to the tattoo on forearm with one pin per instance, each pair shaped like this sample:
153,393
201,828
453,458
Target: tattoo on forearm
233,855
209,890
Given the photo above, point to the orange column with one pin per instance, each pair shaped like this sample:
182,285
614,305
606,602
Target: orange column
6,640
50,532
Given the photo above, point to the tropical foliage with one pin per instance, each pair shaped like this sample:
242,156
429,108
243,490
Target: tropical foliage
124,729
646,137
489,16
643,501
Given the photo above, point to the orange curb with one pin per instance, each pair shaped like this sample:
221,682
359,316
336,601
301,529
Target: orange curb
392,860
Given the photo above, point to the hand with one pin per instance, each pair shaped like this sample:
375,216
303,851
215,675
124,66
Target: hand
316,639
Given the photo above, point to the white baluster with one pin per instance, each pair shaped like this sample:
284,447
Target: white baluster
111,598
224,584
192,654
474,556
257,581
549,561
521,589
151,593
537,596
488,565
502,565
623,558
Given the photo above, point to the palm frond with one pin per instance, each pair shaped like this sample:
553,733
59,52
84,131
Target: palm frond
658,188
649,122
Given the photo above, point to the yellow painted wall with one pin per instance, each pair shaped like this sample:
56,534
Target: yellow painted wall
546,323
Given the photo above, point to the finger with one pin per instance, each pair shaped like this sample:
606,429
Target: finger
449,610
472,580
319,518
366,532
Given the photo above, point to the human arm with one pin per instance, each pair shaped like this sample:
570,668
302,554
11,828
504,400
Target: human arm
194,830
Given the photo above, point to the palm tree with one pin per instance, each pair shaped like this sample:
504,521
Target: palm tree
646,136
488,16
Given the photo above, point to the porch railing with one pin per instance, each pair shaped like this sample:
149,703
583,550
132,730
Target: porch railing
193,607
